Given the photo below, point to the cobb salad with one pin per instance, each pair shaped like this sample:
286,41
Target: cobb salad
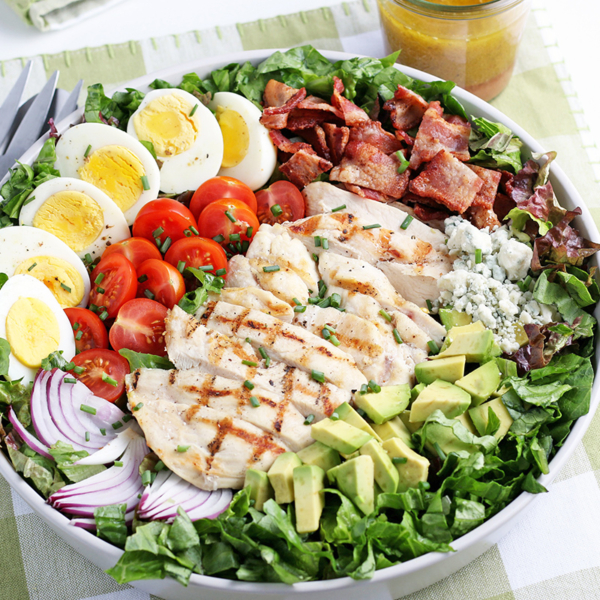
290,322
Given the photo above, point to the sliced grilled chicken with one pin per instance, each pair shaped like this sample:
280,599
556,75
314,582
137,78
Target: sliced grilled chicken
287,343
215,447
254,297
190,344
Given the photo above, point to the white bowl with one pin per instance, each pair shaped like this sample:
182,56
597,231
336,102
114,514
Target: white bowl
387,583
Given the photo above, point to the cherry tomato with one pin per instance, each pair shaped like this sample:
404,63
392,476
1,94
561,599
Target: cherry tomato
218,188
160,281
225,218
88,329
287,196
163,219
196,252
135,249
103,372
140,326
113,283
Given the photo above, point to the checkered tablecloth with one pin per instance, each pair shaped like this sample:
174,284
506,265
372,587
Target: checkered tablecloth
554,552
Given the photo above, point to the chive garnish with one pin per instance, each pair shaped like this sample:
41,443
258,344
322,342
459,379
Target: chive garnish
335,300
70,380
108,379
103,315
194,230
158,232
160,465
317,239
385,315
363,388
138,406
149,294
478,256
145,183
318,376
194,110
219,238
76,326
87,436
78,370
87,151
309,419
329,328
249,363
127,418
87,409
271,269
248,385
181,266
433,347
99,279
299,309
249,232
429,304
263,353
276,210
335,417
341,207
65,287
374,226
220,272
33,266
79,335
399,460
296,301
234,237
147,478
166,245
254,401
182,448
315,257
325,303
117,425
230,216
406,222
206,268
94,308
187,233
333,339
103,431
118,463
142,278
373,387
100,290
397,336
325,243
326,333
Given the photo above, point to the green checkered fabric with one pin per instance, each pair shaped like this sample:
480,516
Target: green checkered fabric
554,552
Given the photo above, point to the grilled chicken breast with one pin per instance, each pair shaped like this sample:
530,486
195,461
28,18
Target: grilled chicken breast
258,299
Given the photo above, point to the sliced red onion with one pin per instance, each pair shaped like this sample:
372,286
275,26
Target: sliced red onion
29,439
90,524
45,428
112,450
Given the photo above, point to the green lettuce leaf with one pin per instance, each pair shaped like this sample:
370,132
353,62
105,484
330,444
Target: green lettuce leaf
193,300
110,523
494,145
139,360
4,357
40,471
115,111
65,456
17,395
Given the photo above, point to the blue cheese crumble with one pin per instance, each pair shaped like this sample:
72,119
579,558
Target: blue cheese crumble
483,282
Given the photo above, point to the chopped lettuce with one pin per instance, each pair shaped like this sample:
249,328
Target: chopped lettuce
110,523
114,111
494,145
4,357
65,456
193,300
139,360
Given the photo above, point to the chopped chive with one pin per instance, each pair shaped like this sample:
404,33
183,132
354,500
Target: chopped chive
325,303
335,300
183,448
194,230
326,333
117,425
296,301
166,245
439,451
238,246
403,162
333,339
181,266
69,366
138,406
248,385
478,256
315,257
158,242
78,370
160,465
148,294
299,309
341,207
363,388
220,272
147,478
399,460
247,340
271,269
263,353
187,233
158,232
230,216
322,288
87,151
374,226
119,463
524,285
219,238
99,279
33,266
318,376
317,239
87,436
335,417
76,326
276,210
234,237
309,419
88,259
127,418
254,401
385,315
249,232
108,379
65,287
70,380
103,315
94,308
100,290
145,183
407,222
433,347
206,268
142,278
87,409
397,336
249,363
329,328
103,431
313,300
79,335
193,110
374,387
325,243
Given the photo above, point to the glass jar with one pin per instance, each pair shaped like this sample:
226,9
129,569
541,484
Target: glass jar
471,42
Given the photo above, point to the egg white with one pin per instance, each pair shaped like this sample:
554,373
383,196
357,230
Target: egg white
25,286
189,169
73,145
258,165
17,244
115,227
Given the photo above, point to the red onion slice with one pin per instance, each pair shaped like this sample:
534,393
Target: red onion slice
212,512
29,439
112,450
45,428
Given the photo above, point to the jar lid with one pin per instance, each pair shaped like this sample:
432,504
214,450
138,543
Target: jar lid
471,10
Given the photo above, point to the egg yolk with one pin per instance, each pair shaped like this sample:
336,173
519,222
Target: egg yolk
73,217
236,137
166,122
58,275
118,172
32,331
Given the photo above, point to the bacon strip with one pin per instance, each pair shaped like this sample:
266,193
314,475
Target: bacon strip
371,132
491,179
406,109
353,115
277,93
286,145
276,117
367,193
317,139
304,167
482,217
337,140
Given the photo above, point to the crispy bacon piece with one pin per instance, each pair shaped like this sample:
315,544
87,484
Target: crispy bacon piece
404,137
367,193
276,117
337,139
368,167
353,115
304,167
406,109
482,216
317,139
428,213
286,145
456,120
372,133
435,134
448,181
277,93
487,194
318,104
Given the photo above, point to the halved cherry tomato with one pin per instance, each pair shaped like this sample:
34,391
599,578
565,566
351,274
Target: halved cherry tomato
161,219
135,249
287,196
196,252
160,281
103,372
223,219
218,188
140,326
113,283
88,329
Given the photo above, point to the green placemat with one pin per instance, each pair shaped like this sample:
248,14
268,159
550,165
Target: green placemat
554,553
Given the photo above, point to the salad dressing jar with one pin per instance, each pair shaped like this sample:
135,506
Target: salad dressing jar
470,42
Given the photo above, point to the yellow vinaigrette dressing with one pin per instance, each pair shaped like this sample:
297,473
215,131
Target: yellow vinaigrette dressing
471,42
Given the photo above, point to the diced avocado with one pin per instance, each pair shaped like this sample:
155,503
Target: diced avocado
521,336
453,318
386,475
395,428
388,403
416,391
356,479
350,456
348,414
440,395
508,368
465,419
476,346
482,382
476,326
260,487
320,455
339,435
281,476
480,414
309,481
449,369
405,418
411,472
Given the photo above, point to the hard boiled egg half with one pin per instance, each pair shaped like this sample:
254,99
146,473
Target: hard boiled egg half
111,160
34,324
77,213
37,253
185,135
249,154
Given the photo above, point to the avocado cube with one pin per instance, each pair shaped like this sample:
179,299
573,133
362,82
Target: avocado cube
386,476
348,414
521,336
453,318
466,420
350,456
472,327
339,435
356,479
449,369
405,418
440,395
385,405
416,391
281,476
320,455
476,346
260,487
482,382
411,471
394,428
508,368
309,481
480,415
